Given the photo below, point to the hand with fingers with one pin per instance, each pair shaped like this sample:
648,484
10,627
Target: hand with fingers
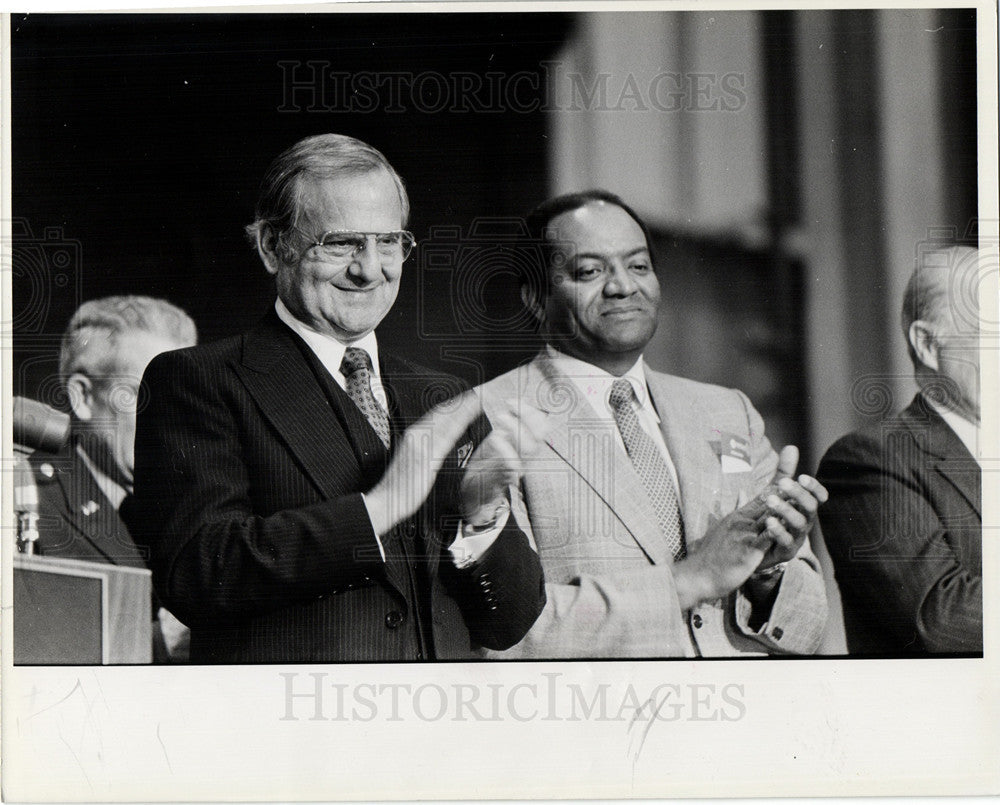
498,462
722,560
418,458
786,511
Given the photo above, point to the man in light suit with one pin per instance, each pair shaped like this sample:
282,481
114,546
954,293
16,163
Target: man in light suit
663,521
904,521
281,475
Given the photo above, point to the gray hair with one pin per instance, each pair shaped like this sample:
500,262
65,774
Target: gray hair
320,156
92,341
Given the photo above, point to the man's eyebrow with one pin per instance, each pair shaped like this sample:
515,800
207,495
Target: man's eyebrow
599,256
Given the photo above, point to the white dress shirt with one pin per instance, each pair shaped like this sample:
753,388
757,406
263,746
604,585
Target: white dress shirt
465,549
330,352
966,431
594,385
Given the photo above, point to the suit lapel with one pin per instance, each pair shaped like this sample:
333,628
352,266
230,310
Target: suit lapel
94,517
590,448
405,390
946,453
278,376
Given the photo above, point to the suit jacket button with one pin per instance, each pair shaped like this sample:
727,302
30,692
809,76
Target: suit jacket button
697,621
777,632
394,618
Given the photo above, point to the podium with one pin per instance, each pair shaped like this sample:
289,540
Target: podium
70,612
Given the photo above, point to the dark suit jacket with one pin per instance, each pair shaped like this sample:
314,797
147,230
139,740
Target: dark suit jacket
76,520
904,528
250,464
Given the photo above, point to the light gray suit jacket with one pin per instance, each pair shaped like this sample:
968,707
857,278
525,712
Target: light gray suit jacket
607,568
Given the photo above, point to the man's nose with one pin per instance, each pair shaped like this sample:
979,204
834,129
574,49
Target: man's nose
365,265
620,282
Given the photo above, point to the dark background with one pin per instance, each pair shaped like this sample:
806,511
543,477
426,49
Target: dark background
138,144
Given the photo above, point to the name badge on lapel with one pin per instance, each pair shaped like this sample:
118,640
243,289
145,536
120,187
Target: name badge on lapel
464,451
733,452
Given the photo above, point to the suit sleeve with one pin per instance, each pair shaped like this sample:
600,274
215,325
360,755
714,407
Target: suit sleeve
213,558
502,592
894,556
797,618
629,613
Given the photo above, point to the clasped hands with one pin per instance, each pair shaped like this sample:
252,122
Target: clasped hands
767,531
495,464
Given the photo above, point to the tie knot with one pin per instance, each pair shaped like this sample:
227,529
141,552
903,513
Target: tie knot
622,393
355,359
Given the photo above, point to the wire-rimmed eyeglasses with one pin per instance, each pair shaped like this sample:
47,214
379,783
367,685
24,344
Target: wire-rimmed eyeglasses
341,245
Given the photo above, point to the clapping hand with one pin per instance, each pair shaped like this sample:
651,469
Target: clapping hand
499,461
786,511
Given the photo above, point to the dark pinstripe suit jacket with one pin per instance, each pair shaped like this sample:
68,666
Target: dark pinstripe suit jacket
904,528
250,461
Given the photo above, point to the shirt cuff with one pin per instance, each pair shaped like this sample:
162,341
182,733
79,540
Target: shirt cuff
381,550
466,550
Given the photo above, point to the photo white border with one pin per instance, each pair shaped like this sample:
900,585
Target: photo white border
810,728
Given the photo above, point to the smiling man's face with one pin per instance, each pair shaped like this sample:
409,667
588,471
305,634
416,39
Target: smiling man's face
603,293
345,299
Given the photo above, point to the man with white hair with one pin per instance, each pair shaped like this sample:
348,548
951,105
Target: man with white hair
903,523
282,475
105,349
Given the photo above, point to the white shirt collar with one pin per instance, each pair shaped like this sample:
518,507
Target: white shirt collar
328,349
594,384
966,431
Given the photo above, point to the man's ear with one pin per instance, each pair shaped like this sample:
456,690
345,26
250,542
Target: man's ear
267,247
924,341
530,299
80,390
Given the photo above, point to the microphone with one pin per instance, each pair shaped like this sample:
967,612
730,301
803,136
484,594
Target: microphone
25,507
39,426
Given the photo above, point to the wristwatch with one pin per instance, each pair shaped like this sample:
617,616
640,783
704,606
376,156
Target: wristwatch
770,572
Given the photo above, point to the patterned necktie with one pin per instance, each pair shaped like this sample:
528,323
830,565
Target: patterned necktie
649,466
357,369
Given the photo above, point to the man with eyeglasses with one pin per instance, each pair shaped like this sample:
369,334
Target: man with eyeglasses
300,501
